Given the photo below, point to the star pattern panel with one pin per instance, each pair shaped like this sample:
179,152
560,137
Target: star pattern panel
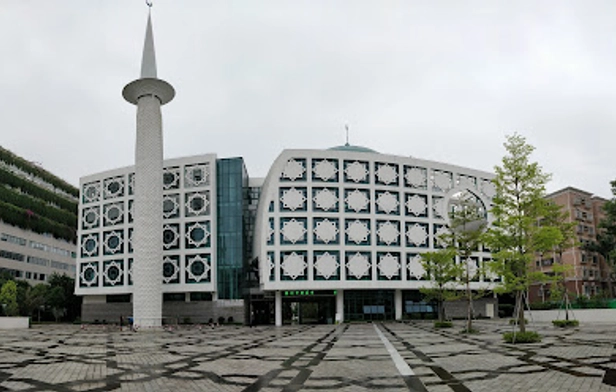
197,235
113,187
416,205
358,231
171,178
171,236
416,177
293,265
388,232
488,188
89,245
441,181
113,242
293,199
198,268
325,170
358,265
467,182
417,234
171,206
88,275
386,174
415,267
293,230
387,202
389,265
357,200
90,218
91,192
113,273
326,231
438,207
325,199
171,269
294,170
326,265
356,172
196,175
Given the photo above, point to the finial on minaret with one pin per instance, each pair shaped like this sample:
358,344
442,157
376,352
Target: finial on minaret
346,127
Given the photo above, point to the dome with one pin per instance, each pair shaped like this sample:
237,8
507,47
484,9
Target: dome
349,147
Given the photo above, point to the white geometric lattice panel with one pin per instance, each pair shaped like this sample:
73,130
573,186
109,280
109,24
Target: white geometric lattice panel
488,188
388,232
270,231
325,199
171,269
386,174
88,276
197,268
197,203
293,230
271,265
440,234
325,231
358,231
417,234
488,272
325,170
171,206
171,178
113,214
442,180
356,171
91,192
113,187
171,236
89,245
471,265
293,199
416,177
294,170
293,265
416,205
113,241
357,200
387,202
415,267
467,182
389,265
358,265
90,218
326,265
131,183
112,272
438,207
197,234
196,175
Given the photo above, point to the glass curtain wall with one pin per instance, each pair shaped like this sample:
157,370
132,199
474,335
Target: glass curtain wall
232,182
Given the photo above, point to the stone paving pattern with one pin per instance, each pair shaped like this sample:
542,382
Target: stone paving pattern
348,357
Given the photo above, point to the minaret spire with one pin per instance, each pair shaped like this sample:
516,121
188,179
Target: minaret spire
148,61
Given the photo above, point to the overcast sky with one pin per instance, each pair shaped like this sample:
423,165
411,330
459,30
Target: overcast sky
439,80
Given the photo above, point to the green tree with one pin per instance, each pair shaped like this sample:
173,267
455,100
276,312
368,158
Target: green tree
517,234
57,301
72,303
8,298
467,222
35,299
443,271
606,236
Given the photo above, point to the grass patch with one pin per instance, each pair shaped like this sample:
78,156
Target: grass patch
521,337
472,331
565,323
443,324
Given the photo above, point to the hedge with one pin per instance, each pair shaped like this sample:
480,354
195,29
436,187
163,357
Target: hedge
10,158
36,191
26,202
20,217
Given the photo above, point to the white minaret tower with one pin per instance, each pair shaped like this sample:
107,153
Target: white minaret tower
149,93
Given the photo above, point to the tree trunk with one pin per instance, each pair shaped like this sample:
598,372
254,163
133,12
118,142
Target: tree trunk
520,308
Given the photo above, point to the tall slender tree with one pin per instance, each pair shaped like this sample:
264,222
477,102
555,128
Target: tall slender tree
518,234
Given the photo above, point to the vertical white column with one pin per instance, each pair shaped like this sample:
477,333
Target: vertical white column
398,304
278,309
340,306
148,242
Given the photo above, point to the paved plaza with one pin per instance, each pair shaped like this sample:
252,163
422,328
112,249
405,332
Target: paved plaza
349,357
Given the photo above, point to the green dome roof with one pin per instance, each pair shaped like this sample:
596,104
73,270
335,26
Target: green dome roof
348,147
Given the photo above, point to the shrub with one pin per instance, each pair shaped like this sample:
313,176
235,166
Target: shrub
470,331
505,310
443,324
221,320
230,320
565,323
521,337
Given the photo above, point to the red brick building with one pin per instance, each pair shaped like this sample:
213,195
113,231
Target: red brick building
590,274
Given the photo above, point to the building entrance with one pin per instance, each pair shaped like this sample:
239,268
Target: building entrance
308,307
